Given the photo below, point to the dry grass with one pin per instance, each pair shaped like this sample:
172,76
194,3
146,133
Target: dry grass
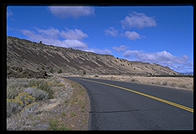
68,110
184,83
16,86
78,113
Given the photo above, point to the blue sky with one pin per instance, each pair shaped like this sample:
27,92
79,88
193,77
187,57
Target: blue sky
154,34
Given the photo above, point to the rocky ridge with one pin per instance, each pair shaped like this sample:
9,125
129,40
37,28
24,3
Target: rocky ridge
38,57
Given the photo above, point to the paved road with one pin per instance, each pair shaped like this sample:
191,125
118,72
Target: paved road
130,106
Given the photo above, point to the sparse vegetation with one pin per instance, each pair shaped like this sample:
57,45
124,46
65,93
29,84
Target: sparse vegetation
55,125
23,92
51,70
60,71
94,63
43,68
25,106
73,114
164,83
185,83
43,85
19,102
84,72
133,80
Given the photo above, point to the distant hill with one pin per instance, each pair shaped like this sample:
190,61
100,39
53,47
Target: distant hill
188,73
26,55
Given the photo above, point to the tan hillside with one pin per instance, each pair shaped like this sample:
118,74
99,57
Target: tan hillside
24,55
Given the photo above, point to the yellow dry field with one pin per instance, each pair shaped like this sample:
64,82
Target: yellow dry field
185,83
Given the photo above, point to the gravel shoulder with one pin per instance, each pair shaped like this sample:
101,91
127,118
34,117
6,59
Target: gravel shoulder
67,108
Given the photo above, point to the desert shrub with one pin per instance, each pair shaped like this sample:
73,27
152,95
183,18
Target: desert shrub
84,72
60,71
23,99
18,103
183,86
15,87
51,70
43,68
133,80
53,124
20,69
164,83
43,85
37,94
12,107
56,125
12,91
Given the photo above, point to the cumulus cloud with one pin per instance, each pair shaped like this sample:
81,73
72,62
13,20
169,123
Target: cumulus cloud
121,48
71,39
132,35
99,51
52,37
74,44
71,11
111,31
74,34
138,20
163,58
51,32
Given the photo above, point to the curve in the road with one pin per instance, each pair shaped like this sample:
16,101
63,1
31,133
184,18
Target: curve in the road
146,95
129,106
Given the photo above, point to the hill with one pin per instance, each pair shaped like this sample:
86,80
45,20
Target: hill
24,56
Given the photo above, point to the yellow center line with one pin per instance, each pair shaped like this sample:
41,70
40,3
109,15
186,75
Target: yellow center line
146,95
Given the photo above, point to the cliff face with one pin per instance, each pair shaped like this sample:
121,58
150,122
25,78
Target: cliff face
39,57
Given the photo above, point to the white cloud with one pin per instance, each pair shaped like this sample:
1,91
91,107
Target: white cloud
75,34
132,35
71,11
130,53
121,48
70,39
52,32
111,31
163,58
138,20
99,51
52,37
74,44
71,34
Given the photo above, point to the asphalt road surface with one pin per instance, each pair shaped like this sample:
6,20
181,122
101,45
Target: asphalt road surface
129,106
